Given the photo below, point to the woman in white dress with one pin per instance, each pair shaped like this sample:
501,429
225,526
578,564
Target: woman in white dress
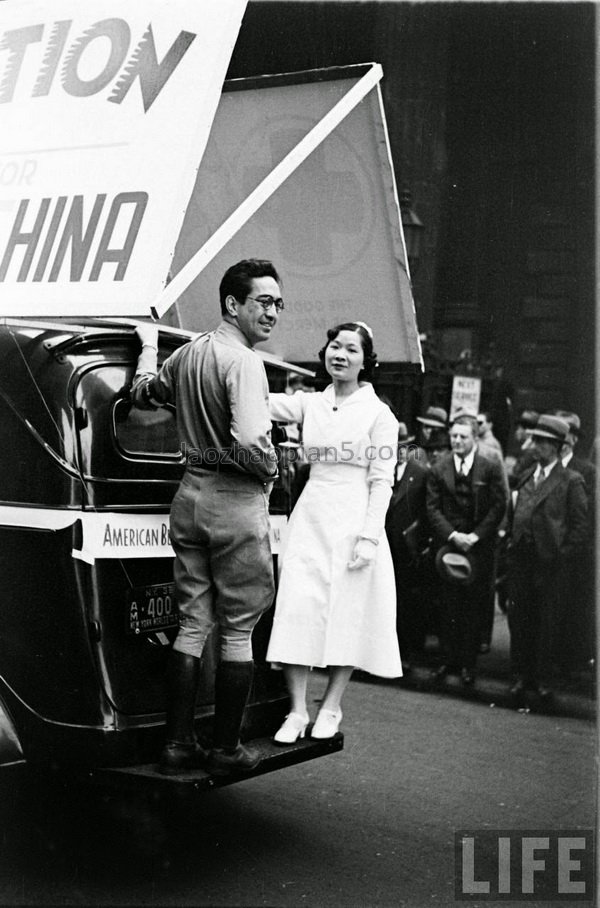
336,602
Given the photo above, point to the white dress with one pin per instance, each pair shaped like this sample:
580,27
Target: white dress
326,614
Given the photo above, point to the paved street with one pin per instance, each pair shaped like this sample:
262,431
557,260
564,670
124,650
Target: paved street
574,695
371,826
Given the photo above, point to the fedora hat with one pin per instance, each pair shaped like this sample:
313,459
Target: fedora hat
403,436
528,419
572,419
435,417
551,427
455,567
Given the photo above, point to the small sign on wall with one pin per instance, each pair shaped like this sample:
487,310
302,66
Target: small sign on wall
466,394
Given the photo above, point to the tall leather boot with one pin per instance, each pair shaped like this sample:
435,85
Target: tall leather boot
233,681
181,751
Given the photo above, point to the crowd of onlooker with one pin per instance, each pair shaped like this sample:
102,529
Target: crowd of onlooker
472,529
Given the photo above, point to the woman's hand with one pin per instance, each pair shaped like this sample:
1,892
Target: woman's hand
364,554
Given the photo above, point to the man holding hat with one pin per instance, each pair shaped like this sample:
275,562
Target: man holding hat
466,501
407,531
548,530
492,452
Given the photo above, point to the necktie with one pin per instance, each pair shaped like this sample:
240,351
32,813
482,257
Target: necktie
463,467
539,478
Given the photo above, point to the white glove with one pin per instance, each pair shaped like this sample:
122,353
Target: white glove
147,335
148,356
364,554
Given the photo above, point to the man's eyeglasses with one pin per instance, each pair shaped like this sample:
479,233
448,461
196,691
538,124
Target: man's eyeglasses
267,301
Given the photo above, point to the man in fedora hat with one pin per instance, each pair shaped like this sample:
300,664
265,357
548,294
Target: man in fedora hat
432,434
466,501
436,446
407,531
571,460
433,418
548,528
525,456
578,613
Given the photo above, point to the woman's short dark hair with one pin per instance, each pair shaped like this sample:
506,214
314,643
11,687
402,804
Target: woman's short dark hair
370,357
237,280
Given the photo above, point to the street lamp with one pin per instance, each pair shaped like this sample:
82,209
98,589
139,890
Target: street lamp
412,227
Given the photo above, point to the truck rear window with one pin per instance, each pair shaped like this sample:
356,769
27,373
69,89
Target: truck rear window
140,434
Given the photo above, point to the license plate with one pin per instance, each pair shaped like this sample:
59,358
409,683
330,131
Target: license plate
151,608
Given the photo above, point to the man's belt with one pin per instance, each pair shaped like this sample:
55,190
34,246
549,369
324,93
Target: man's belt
222,469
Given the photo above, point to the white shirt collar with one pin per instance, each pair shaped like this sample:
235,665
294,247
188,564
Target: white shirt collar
400,471
567,459
468,460
539,470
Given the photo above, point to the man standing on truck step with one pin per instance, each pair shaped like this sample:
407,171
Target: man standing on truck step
219,516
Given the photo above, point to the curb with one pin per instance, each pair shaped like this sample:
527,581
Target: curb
493,692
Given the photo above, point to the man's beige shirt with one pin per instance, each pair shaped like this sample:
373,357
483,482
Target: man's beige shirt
219,386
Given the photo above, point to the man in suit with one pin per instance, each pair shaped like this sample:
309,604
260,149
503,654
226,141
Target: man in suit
578,612
407,532
548,528
466,501
570,459
434,422
492,451
435,447
525,457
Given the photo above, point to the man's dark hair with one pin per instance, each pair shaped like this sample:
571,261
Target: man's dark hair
237,280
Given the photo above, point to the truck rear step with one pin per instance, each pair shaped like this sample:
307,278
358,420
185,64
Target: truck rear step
146,777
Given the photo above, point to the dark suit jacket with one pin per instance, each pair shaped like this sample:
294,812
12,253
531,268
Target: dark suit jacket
407,505
559,521
491,497
587,470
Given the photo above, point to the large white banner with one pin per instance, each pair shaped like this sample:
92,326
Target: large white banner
333,228
105,111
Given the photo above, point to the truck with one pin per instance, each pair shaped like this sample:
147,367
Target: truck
88,603
137,188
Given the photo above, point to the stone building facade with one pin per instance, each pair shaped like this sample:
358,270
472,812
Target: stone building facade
491,117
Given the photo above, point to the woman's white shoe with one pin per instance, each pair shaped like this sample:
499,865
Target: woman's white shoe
293,728
327,723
